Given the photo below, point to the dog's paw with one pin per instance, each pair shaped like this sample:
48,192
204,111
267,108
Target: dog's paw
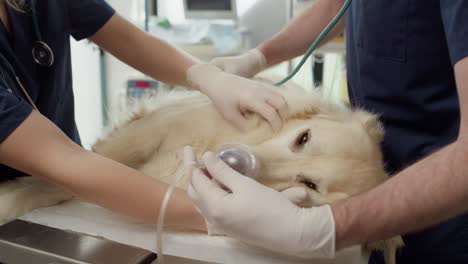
24,195
389,247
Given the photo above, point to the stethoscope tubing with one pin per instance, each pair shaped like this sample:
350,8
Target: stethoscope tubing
317,42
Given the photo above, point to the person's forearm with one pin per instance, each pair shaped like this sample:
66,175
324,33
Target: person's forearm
295,39
424,194
144,52
125,190
38,148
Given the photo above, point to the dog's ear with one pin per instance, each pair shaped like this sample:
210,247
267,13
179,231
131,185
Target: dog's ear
302,112
302,104
371,124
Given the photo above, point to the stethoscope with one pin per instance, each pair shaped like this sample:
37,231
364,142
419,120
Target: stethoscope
317,41
8,81
41,51
42,55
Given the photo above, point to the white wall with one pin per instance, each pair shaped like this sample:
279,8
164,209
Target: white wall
87,90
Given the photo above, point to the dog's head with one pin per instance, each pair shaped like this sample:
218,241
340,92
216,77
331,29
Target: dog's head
331,152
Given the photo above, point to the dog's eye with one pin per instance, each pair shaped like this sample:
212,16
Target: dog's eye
310,185
303,138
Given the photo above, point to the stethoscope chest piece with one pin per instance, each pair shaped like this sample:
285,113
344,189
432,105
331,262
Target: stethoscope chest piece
43,54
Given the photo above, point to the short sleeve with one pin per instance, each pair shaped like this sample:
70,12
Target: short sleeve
13,111
455,18
88,16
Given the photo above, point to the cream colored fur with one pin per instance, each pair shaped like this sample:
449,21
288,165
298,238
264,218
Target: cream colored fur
332,152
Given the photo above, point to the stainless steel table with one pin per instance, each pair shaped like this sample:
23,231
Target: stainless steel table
23,242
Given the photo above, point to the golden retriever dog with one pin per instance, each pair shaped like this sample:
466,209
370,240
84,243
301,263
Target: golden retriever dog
334,153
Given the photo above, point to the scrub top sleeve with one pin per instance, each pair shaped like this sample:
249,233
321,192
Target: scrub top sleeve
455,18
13,111
88,16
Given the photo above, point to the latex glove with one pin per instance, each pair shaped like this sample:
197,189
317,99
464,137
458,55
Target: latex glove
234,96
246,65
296,195
260,216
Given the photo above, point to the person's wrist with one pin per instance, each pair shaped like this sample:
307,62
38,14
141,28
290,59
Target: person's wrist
245,65
320,225
259,58
202,225
340,216
263,51
198,74
212,230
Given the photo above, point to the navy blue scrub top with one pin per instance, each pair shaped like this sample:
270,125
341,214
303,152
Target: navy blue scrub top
50,88
400,58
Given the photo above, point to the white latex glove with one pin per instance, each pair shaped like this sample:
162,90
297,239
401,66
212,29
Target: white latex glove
245,65
260,216
296,195
234,96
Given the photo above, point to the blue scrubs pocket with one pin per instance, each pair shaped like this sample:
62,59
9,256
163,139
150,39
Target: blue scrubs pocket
383,28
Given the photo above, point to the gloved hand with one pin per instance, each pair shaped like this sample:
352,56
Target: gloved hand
260,216
246,65
233,96
296,195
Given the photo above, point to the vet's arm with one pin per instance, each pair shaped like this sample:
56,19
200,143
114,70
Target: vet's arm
429,192
295,39
144,52
39,148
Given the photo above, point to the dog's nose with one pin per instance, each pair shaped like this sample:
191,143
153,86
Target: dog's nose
240,158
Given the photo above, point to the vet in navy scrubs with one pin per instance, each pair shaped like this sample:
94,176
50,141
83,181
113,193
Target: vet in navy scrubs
49,87
401,55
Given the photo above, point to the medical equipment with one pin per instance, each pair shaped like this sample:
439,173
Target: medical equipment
41,51
317,41
240,158
208,9
139,88
193,36
136,90
237,156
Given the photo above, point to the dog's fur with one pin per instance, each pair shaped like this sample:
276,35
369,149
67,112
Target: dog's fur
332,152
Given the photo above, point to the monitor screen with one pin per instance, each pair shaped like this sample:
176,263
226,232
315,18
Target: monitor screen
203,5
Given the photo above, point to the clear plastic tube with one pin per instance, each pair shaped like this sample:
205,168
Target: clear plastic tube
238,157
162,211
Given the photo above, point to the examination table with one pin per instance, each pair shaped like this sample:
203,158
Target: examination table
95,235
